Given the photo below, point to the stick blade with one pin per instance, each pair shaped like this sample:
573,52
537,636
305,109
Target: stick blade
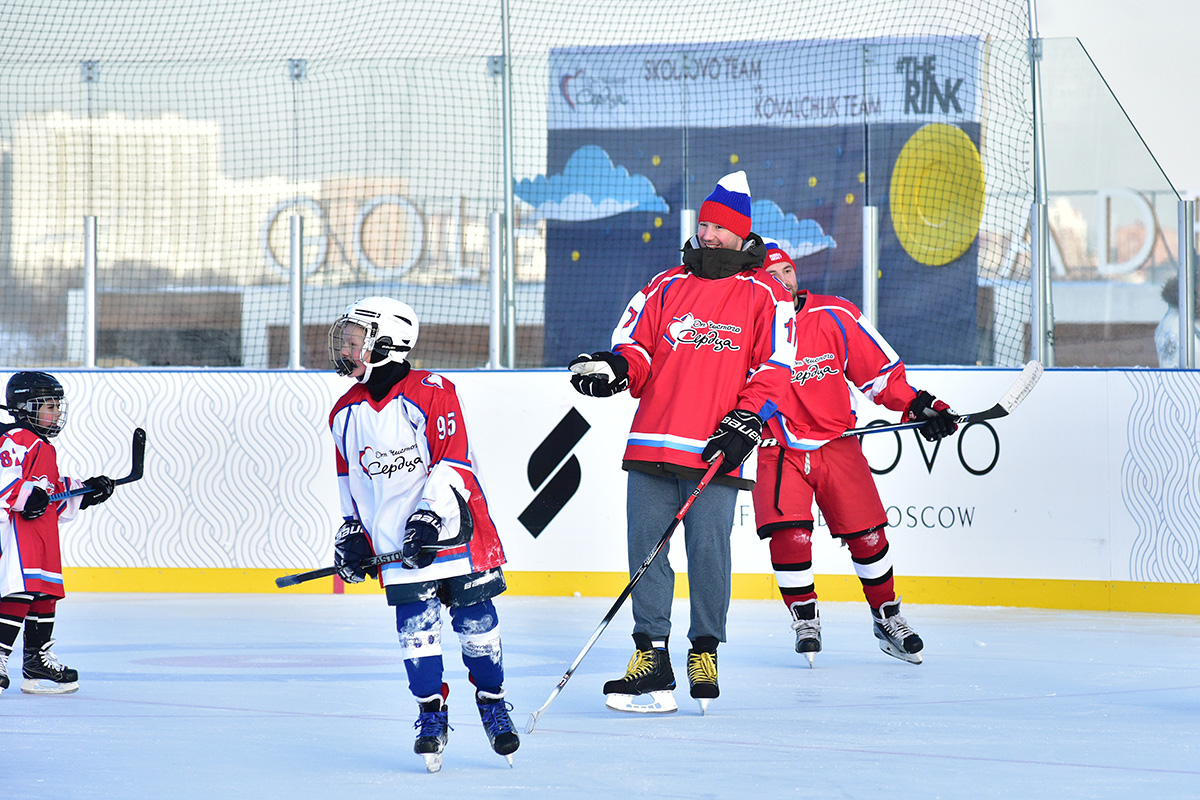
286,580
1022,386
533,718
139,454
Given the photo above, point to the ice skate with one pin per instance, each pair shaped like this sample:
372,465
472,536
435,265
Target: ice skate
894,635
702,675
433,729
4,668
45,675
649,673
806,622
493,710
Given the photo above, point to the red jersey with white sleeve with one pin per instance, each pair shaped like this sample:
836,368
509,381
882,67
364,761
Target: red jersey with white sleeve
411,451
30,555
698,348
836,347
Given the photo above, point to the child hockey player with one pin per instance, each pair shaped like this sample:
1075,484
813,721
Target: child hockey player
835,346
407,481
31,581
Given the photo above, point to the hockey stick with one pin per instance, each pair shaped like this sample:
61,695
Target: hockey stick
325,572
1020,389
137,457
466,531
612,612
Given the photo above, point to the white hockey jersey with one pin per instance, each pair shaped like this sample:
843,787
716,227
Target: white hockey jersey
407,452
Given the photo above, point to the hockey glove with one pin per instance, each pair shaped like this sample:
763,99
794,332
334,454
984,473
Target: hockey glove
600,374
420,539
737,436
36,503
942,419
350,547
101,489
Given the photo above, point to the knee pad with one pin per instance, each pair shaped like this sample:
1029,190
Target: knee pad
871,555
419,626
478,630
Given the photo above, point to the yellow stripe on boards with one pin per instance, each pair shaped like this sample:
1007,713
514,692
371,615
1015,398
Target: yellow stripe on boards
1159,598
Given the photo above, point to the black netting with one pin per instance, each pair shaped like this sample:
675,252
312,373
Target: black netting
193,132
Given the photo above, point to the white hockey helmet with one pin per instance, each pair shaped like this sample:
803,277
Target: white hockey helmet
389,331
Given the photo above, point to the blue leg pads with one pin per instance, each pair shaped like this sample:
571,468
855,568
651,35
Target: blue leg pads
478,630
420,628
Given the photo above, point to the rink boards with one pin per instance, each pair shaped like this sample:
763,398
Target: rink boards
1088,496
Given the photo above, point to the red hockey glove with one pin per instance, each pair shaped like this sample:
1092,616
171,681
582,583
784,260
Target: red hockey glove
942,419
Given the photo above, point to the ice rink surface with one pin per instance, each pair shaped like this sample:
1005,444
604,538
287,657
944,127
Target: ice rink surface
304,696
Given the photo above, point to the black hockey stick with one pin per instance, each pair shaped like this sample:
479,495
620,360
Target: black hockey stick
137,457
1020,389
466,531
325,572
612,612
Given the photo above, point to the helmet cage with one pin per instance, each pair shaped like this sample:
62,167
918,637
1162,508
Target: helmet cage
37,401
389,330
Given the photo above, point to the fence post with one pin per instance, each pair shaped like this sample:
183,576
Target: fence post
870,264
1187,284
296,293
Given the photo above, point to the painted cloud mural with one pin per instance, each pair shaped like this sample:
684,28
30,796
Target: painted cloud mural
589,187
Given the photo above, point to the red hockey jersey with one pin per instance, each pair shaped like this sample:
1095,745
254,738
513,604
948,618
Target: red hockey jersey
697,349
836,347
30,556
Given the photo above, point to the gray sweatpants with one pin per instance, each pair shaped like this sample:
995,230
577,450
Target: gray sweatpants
651,505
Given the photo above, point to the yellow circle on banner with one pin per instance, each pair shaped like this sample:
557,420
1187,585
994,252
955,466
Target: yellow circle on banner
574,255
658,222
733,159
812,181
937,194
646,236
850,199
656,160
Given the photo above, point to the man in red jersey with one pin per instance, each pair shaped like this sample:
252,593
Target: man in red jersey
805,457
706,348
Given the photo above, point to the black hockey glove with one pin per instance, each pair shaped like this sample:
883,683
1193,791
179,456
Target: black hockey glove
350,547
101,489
420,539
600,374
942,419
737,436
36,503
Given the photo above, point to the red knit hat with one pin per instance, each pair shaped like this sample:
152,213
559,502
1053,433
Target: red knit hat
776,255
729,205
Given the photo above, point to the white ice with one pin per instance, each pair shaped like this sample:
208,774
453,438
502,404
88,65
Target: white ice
304,696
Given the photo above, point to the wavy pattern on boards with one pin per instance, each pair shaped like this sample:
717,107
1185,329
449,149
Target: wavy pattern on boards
239,469
1160,477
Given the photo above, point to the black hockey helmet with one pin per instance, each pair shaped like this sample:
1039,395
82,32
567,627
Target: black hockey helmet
26,395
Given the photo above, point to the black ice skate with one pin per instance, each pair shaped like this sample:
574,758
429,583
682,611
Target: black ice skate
4,654
44,675
702,673
493,710
649,672
894,635
806,622
433,728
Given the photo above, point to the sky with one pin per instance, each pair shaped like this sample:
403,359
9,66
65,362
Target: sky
1144,51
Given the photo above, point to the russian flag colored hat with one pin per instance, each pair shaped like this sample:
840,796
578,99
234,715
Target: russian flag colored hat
776,254
729,205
